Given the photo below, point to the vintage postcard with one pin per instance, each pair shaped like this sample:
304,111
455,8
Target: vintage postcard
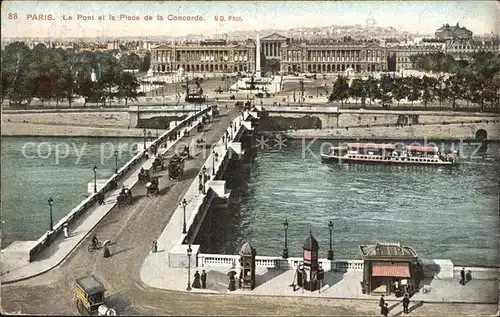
250,158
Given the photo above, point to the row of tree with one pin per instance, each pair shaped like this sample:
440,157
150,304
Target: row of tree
484,63
478,90
475,82
56,74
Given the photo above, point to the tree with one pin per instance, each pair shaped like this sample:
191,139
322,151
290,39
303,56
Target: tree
127,87
358,91
415,86
401,90
427,86
84,85
455,89
373,90
386,87
340,90
441,90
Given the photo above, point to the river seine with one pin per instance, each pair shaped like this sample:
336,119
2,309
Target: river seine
442,212
36,168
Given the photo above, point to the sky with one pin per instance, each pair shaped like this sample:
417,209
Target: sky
18,17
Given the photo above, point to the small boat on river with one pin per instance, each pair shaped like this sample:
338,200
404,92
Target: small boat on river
389,154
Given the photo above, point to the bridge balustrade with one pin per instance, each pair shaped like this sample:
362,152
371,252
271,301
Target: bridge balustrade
90,201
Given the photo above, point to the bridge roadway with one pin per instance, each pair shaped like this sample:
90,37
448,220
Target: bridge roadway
131,229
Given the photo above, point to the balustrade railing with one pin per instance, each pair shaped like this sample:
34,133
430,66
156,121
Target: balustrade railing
279,263
88,202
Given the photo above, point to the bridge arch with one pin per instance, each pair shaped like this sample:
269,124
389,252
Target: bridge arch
481,134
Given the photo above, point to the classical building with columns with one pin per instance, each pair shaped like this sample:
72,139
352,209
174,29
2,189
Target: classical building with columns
331,58
271,45
206,56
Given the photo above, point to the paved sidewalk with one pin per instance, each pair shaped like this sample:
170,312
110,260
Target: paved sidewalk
342,285
15,268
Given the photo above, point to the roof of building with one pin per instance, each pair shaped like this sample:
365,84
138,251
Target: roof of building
311,243
387,251
247,249
274,37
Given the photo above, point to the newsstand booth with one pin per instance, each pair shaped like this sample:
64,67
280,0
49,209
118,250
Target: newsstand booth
390,268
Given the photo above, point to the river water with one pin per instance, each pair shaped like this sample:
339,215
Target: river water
36,168
442,212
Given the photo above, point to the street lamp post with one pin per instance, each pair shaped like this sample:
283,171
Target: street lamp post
330,252
95,179
144,131
214,159
189,250
204,170
116,162
50,200
184,204
285,250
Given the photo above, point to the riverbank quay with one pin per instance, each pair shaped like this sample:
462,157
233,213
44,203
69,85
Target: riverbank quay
22,260
449,131
336,285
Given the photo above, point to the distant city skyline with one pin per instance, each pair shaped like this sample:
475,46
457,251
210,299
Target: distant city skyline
481,17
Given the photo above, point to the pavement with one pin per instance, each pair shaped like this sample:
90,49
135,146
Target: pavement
16,268
338,285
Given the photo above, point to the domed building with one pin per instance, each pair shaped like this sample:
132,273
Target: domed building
447,32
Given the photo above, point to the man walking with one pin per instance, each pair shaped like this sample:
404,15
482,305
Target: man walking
406,303
385,310
462,276
203,279
381,304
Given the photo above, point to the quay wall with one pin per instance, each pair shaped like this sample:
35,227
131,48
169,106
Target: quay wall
293,118
44,241
457,131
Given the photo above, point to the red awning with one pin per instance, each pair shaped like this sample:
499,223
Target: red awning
391,270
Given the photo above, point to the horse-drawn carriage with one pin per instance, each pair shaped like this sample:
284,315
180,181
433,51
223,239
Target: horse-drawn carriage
144,175
158,164
176,167
185,153
125,197
153,187
215,112
200,143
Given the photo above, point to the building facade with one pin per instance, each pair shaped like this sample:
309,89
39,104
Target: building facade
399,58
333,58
271,45
213,56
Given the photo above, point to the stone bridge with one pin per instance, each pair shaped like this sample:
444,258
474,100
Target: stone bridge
148,112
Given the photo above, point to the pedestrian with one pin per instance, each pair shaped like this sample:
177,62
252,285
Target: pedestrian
196,281
381,303
468,276
203,279
385,310
65,230
406,303
200,188
462,276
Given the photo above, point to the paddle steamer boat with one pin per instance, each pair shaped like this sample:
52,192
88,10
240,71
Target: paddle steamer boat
389,154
